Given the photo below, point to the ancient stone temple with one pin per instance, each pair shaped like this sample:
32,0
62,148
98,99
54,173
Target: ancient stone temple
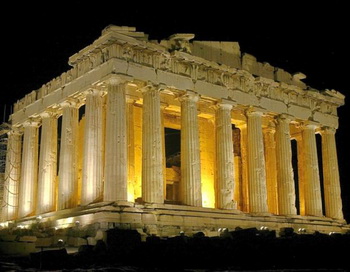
170,136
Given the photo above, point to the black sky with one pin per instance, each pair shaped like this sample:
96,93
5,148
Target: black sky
37,40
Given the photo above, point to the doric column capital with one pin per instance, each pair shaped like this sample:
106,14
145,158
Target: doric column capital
189,96
49,113
284,118
253,111
328,130
32,123
308,125
70,102
16,131
150,87
116,79
223,105
94,92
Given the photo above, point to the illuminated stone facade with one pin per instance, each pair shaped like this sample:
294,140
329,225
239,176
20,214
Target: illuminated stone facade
89,146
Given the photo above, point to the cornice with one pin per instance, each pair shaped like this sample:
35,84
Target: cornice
137,50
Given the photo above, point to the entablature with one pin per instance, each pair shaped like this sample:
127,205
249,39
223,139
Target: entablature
121,50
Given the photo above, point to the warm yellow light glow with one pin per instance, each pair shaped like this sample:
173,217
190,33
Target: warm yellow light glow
207,149
208,200
65,222
131,195
4,225
47,194
138,150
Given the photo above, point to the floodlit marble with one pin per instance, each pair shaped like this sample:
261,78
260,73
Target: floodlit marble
92,183
29,171
224,157
190,186
331,181
116,168
46,201
236,117
68,165
152,161
285,175
12,175
256,164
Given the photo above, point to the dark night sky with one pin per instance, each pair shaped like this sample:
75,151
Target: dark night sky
38,39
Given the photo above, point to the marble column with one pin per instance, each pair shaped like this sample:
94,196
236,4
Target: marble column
285,174
301,173
116,162
313,200
162,109
92,184
271,168
68,164
152,161
131,149
46,201
29,171
190,185
256,164
244,196
224,157
12,175
333,202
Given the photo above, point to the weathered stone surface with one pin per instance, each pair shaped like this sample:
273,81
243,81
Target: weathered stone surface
31,239
12,176
190,188
28,185
256,164
46,201
115,172
92,186
68,166
113,150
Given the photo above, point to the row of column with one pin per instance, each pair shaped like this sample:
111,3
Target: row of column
105,163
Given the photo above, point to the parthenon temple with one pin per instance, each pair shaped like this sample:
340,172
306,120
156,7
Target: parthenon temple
173,135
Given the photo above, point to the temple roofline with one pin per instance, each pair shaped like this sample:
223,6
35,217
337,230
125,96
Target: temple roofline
224,59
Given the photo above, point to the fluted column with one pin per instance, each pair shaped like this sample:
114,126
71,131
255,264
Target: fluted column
152,161
12,175
285,175
68,165
131,149
271,168
116,163
190,185
92,185
331,183
301,174
162,109
47,164
29,171
313,201
224,157
244,192
256,164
